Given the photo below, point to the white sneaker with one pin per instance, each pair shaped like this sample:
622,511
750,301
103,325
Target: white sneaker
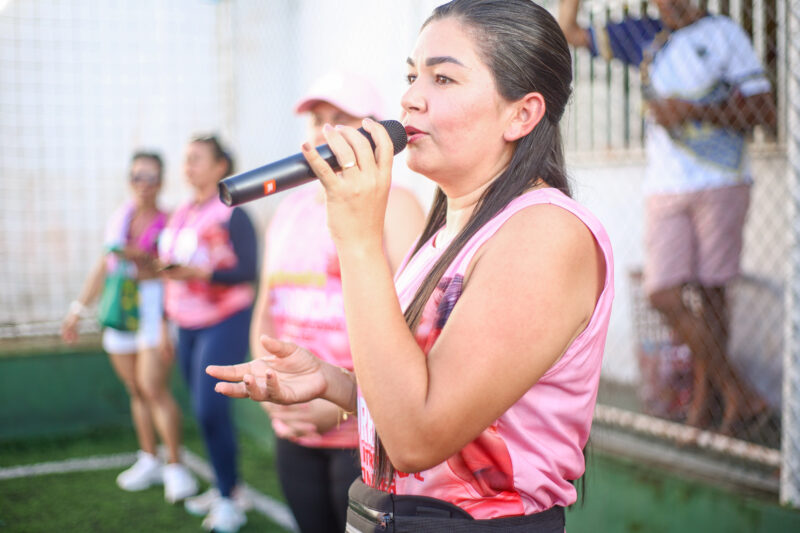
202,504
144,473
179,483
224,517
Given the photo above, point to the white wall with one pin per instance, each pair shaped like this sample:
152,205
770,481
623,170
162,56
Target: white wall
281,47
82,84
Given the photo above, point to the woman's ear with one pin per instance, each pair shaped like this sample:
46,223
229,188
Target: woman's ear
528,111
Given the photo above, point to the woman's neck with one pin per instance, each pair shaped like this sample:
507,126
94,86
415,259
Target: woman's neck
204,194
460,208
147,207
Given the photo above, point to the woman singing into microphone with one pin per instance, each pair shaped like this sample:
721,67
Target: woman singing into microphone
476,370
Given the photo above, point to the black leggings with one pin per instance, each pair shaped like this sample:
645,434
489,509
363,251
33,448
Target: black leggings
315,482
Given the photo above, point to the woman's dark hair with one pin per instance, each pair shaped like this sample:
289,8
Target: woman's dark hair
217,150
526,52
152,156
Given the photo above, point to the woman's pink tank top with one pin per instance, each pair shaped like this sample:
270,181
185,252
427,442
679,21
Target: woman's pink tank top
522,463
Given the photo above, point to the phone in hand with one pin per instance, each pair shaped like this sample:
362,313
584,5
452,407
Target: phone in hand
168,266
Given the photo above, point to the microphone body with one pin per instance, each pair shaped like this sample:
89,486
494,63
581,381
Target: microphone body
292,171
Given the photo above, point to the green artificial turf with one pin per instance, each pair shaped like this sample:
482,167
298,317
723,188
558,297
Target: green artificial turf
91,501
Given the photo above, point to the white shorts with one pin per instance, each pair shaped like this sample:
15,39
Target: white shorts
151,311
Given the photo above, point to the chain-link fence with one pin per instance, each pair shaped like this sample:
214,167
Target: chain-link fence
84,83
667,101
790,464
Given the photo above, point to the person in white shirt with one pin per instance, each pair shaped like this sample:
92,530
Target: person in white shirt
705,89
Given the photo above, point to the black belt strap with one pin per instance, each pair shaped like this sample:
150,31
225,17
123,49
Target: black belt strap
374,511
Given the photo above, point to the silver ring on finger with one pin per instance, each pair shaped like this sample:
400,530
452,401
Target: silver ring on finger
349,164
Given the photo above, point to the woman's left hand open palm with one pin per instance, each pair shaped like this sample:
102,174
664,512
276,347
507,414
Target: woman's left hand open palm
290,375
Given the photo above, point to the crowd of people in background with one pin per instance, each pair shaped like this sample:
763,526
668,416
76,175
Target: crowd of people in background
195,272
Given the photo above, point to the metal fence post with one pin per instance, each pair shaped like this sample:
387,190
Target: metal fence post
790,443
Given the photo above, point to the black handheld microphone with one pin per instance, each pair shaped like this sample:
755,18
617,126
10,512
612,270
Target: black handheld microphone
292,171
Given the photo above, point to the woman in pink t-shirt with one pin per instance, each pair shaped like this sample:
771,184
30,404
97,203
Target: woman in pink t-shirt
208,253
476,370
300,301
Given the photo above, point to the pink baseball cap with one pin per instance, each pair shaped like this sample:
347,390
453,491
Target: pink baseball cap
350,92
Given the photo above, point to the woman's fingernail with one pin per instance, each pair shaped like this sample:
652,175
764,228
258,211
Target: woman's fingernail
305,147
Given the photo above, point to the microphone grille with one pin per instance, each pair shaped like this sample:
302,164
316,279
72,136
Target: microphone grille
397,133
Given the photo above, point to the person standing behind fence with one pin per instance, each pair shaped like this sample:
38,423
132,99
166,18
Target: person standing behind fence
300,301
477,370
704,89
208,256
141,358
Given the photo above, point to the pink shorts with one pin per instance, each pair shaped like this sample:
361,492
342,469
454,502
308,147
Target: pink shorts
694,237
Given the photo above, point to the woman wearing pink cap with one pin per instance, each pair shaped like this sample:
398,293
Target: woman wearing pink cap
300,300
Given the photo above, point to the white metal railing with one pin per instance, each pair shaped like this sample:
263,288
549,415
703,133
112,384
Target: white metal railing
606,111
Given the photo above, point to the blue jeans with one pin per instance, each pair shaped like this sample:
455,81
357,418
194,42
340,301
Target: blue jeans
225,343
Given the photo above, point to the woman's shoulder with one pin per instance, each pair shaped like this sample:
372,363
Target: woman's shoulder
123,209
546,221
554,249
542,211
180,207
563,209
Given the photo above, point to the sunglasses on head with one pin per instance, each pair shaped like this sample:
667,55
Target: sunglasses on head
146,178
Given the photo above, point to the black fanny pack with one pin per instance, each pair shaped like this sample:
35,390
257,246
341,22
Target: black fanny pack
370,510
